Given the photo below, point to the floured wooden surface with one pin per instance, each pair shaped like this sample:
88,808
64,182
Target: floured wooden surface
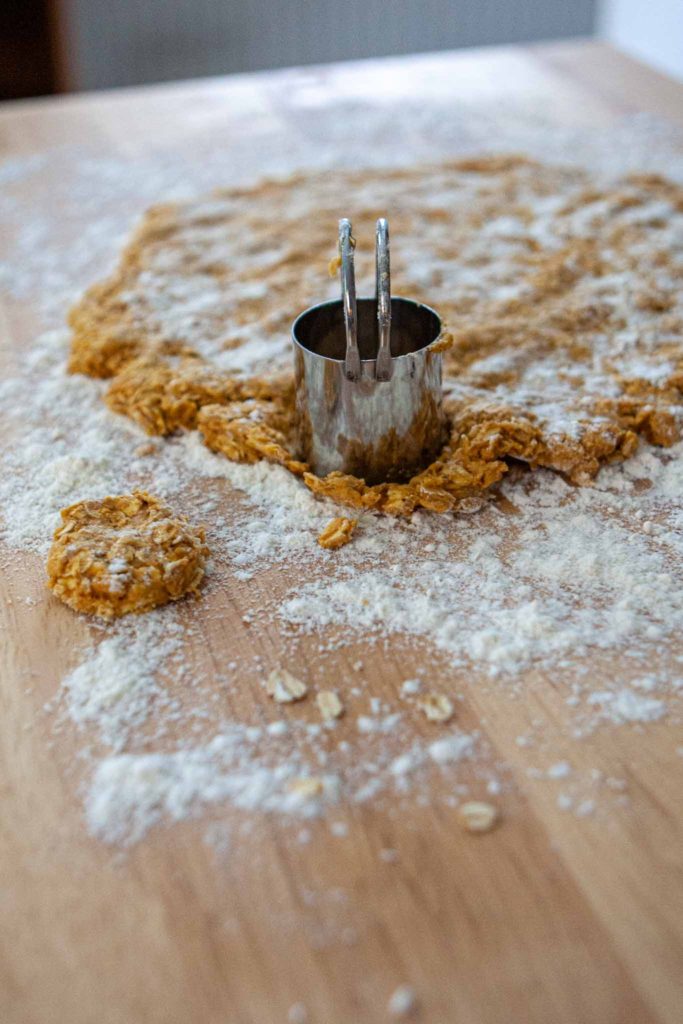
559,290
334,849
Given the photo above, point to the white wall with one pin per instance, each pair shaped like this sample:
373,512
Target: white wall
651,30
125,42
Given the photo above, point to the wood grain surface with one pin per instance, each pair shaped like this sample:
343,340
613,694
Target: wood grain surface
547,919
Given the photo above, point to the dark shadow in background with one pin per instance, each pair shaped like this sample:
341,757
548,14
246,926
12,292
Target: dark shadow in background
27,63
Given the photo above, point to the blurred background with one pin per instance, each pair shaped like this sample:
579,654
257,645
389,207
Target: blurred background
49,46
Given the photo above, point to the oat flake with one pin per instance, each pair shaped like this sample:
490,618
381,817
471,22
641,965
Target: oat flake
477,817
330,705
437,707
285,688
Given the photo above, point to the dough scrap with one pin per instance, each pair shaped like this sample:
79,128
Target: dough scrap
248,431
337,533
124,554
162,397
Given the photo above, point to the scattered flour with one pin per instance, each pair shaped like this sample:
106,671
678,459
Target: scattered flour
449,749
115,687
572,576
129,793
626,706
403,1002
510,594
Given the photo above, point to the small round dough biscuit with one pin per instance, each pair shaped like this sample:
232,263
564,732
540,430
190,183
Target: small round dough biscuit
124,554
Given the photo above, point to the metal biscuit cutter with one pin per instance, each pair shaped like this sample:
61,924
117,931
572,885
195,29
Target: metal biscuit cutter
368,385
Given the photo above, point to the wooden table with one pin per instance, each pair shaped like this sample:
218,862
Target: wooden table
548,919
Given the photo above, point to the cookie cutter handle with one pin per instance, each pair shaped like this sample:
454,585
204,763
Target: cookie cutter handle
383,364
347,245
